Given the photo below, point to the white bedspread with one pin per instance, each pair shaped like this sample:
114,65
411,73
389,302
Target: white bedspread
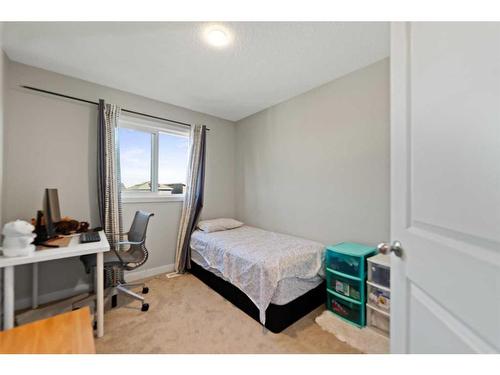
255,260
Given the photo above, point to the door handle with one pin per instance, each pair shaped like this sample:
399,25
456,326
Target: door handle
396,248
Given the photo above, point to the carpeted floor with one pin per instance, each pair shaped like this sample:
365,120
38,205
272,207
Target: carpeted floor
186,316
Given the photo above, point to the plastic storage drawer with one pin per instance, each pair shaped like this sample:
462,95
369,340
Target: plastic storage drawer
378,320
348,264
349,310
379,274
345,286
379,297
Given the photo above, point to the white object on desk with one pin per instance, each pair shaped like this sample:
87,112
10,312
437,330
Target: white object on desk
18,236
74,249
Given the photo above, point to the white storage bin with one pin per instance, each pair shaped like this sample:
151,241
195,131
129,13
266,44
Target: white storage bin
379,270
378,320
379,297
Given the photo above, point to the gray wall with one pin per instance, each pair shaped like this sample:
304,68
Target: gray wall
50,141
3,90
4,61
317,165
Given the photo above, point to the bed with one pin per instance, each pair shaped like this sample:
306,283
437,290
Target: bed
275,278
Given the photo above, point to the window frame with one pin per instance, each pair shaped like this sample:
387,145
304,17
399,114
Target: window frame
154,128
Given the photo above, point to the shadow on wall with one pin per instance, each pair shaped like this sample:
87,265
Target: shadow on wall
92,172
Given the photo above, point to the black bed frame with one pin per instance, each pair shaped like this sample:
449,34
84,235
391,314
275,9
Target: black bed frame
278,317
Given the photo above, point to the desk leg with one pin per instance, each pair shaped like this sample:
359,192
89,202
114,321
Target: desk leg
100,295
34,287
8,297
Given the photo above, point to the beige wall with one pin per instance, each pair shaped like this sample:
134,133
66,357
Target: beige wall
317,165
51,142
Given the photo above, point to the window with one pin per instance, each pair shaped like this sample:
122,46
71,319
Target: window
135,159
172,161
153,160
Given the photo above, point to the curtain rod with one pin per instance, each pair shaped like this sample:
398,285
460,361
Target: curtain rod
96,103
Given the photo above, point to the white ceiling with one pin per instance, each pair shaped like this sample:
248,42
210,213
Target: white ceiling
267,62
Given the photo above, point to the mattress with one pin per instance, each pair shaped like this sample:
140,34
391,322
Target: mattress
288,289
268,267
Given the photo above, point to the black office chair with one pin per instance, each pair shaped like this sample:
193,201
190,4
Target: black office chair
118,260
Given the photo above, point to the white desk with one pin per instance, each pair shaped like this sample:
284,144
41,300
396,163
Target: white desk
74,249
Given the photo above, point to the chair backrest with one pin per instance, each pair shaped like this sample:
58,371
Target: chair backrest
137,232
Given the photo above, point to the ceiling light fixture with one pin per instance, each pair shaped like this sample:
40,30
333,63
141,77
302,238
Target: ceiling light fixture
217,37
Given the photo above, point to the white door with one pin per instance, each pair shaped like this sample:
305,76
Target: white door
445,187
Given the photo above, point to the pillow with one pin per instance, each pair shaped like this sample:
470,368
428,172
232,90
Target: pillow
216,225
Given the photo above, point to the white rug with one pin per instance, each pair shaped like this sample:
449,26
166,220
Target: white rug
365,339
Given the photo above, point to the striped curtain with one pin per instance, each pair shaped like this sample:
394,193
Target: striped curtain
108,166
193,201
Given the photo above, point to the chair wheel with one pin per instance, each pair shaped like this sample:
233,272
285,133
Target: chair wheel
145,307
145,290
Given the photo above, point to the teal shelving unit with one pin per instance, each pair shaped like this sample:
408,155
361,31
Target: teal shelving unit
346,280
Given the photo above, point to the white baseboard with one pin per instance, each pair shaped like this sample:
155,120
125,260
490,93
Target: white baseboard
142,274
25,302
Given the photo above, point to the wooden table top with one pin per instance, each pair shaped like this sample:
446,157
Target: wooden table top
68,333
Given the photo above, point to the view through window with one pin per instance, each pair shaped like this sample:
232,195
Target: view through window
135,159
172,162
152,160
